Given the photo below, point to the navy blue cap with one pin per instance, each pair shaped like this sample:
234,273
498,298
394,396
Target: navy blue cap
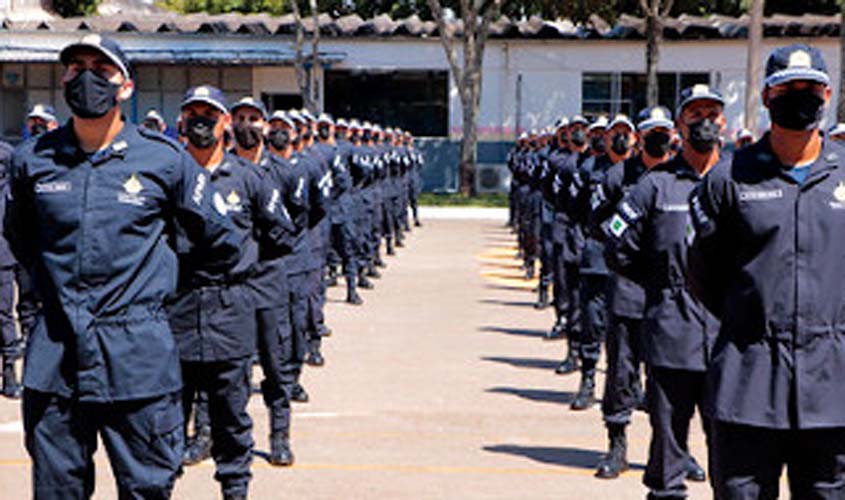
250,102
796,62
104,45
653,117
699,92
206,94
43,111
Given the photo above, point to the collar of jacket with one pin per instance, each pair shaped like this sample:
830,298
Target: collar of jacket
829,158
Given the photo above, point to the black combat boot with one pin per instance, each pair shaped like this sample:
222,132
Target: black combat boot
378,261
570,362
556,332
615,462
315,358
389,245
199,447
352,296
11,388
417,223
542,298
364,282
331,280
586,396
694,471
233,496
280,453
299,394
372,272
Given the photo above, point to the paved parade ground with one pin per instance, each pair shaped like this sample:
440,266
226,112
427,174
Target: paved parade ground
440,386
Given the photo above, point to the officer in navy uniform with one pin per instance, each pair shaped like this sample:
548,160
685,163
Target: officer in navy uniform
547,199
344,236
767,260
285,354
361,168
610,144
10,341
89,216
623,387
213,315
569,239
649,244
41,118
558,155
415,182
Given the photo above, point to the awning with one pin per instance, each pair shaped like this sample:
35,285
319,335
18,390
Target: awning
182,56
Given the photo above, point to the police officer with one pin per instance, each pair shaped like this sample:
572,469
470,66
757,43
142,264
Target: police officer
362,178
547,199
154,121
649,245
10,342
767,259
837,132
285,352
623,388
415,183
41,118
610,144
90,208
344,237
213,316
570,238
558,155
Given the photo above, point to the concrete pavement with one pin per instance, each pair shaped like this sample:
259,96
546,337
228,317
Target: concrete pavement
440,386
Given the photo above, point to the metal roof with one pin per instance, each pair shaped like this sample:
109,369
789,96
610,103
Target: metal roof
684,27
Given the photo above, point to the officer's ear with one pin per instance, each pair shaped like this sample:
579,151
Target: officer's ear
764,96
127,88
828,93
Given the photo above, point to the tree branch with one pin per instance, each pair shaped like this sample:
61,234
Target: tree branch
447,39
667,8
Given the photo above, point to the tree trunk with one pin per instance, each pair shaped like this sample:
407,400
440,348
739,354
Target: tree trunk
652,57
471,107
840,107
314,96
299,58
753,65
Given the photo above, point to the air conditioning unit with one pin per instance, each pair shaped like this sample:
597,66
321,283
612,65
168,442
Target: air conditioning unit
492,178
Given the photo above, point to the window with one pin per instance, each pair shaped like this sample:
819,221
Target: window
281,102
416,101
612,93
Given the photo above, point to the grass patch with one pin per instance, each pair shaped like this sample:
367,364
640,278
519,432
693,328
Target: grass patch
487,200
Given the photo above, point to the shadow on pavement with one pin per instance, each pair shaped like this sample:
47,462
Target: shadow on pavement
542,395
543,364
519,332
517,303
572,457
527,287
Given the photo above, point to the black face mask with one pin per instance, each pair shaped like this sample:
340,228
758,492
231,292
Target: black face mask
797,110
246,135
324,133
597,144
279,139
37,129
621,143
703,135
657,144
578,137
150,125
366,136
355,137
89,95
200,131
307,134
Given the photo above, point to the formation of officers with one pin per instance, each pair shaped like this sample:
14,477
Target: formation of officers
720,273
154,273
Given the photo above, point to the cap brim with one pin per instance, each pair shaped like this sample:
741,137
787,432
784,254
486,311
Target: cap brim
627,123
655,123
205,100
789,75
245,105
43,116
287,121
66,52
703,97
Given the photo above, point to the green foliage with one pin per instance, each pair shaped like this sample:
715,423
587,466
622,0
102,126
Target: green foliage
73,8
